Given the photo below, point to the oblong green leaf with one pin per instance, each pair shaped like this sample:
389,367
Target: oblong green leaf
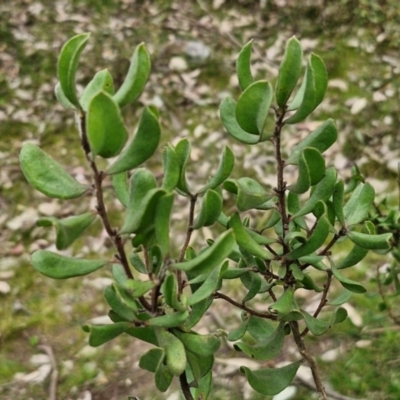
227,111
103,80
211,257
357,208
46,175
321,139
161,221
250,194
118,305
223,171
68,63
259,328
100,334
316,326
285,304
355,255
323,191
337,201
61,267
316,239
170,291
253,106
68,229
175,356
243,69
343,297
151,360
347,283
163,378
271,381
201,345
320,78
171,168
266,349
211,208
120,184
136,77
172,320
142,146
182,151
245,241
105,127
371,242
289,71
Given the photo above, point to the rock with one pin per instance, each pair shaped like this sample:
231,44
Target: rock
178,64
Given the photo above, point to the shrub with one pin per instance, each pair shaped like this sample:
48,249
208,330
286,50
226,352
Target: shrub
292,248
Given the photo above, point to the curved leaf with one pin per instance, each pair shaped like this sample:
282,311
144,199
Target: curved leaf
61,267
357,208
289,71
210,257
100,334
172,320
201,345
46,175
321,139
253,106
182,151
371,242
161,222
211,208
105,127
68,63
62,99
151,360
337,201
224,170
103,80
68,229
171,168
316,326
142,146
227,111
243,66
136,77
347,283
120,184
271,381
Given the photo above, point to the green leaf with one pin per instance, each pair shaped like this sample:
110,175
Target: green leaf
172,320
243,66
120,184
210,257
254,286
201,345
207,288
316,326
321,139
253,106
171,168
357,208
175,357
151,360
347,283
250,194
245,241
266,349
182,150
142,146
259,328
224,170
289,71
137,263
285,304
170,291
316,239
46,175
68,63
163,378
161,221
337,201
227,111
355,255
100,334
323,191
271,381
239,332
211,208
371,242
198,310
343,297
68,229
61,267
199,366
138,288
105,127
136,77
311,170
316,83
102,81
62,98
204,387
146,334
118,305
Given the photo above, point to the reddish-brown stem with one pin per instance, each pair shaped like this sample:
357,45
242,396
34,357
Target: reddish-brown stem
218,295
310,360
189,232
185,386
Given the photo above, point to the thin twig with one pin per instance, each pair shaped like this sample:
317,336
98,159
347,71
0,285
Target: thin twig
185,386
54,372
